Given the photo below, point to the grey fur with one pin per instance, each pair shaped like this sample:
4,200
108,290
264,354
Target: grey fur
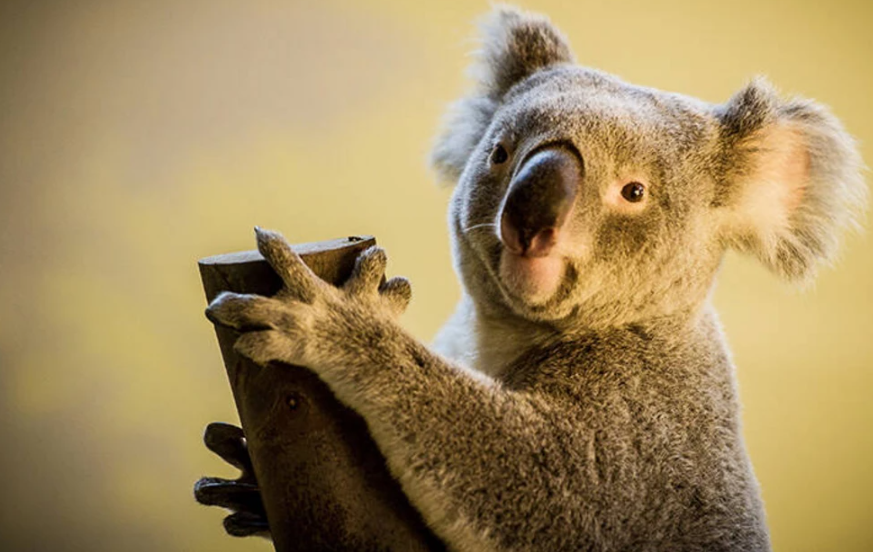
604,417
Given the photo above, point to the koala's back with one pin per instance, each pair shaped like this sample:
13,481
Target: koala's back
649,427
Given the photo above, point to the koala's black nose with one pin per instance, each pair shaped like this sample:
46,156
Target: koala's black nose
539,199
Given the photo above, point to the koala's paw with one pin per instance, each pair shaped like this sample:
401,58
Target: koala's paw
242,495
309,322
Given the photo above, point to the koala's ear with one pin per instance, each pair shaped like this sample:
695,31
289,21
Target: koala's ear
788,180
514,45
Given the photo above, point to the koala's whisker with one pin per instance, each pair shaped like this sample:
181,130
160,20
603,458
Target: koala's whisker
477,226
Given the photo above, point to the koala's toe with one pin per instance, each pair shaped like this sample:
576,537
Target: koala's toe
245,524
228,442
369,271
397,292
227,493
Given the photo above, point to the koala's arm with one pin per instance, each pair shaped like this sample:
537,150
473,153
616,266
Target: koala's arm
480,462
468,453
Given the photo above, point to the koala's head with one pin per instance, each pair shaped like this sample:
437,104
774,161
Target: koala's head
581,197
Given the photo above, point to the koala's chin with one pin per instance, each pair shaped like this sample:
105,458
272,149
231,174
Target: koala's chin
539,289
532,280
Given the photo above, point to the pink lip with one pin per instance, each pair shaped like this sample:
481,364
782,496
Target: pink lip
533,278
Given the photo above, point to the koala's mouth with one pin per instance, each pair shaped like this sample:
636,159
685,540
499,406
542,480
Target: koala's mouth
538,288
515,279
533,279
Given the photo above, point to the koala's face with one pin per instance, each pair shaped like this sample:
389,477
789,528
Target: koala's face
586,192
580,197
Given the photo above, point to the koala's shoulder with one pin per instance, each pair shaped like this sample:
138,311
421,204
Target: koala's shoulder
626,362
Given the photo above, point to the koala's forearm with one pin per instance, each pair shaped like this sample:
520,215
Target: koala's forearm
473,457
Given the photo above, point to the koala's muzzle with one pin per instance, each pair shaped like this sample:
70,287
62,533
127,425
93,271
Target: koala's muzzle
539,200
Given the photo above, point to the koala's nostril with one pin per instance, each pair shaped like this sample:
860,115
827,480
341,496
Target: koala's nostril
539,199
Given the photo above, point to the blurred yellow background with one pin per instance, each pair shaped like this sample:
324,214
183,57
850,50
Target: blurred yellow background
138,137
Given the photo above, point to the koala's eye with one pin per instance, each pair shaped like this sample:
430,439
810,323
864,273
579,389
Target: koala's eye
633,192
499,155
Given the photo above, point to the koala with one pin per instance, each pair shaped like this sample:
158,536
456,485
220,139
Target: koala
582,396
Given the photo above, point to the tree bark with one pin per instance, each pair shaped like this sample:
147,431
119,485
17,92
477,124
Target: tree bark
324,484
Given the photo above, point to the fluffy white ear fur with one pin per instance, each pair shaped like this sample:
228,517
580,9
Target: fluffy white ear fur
792,176
514,45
